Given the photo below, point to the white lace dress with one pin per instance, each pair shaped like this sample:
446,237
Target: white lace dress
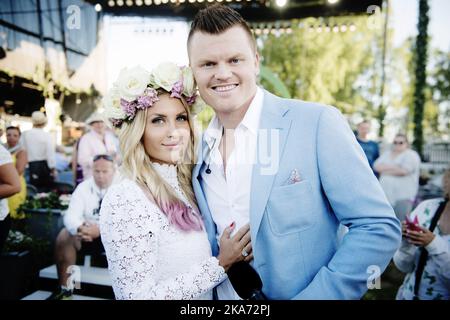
148,258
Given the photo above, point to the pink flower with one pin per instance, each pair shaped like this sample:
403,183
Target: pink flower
191,100
177,89
129,108
149,97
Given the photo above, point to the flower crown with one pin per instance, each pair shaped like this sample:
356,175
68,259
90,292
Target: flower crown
136,89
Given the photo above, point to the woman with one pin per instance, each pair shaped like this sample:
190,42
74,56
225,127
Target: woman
435,278
399,170
154,238
98,140
9,185
20,160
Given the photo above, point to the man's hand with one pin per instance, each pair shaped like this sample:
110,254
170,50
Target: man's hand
88,232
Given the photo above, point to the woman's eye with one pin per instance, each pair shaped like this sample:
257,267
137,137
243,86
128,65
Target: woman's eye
182,118
157,120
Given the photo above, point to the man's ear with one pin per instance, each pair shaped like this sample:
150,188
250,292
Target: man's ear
257,63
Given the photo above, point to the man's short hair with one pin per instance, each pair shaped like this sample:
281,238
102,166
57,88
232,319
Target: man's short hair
218,18
14,128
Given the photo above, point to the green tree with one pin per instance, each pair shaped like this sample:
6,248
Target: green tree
440,88
336,68
420,74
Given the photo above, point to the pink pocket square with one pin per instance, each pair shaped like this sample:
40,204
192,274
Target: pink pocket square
294,177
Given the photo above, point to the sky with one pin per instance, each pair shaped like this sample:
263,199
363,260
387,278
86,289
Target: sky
404,21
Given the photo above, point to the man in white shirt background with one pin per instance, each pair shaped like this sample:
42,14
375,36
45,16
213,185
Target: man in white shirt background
41,153
81,232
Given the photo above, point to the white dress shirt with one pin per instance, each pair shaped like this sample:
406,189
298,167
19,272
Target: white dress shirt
228,193
39,145
84,205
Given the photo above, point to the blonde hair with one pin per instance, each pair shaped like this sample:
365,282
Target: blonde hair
137,166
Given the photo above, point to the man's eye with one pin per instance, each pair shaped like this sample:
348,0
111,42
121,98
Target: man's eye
235,60
208,64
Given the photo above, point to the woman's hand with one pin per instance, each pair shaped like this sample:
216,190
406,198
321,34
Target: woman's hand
419,238
404,230
231,248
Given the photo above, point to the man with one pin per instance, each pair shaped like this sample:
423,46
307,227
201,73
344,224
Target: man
369,147
41,153
97,141
81,232
316,175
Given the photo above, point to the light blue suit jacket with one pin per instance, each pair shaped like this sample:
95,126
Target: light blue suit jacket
294,226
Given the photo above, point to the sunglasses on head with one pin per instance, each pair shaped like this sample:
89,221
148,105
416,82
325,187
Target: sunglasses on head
106,157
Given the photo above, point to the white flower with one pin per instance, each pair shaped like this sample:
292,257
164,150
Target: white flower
65,199
111,103
188,82
132,82
165,75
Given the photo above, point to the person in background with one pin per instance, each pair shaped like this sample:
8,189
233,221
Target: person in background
62,161
96,141
369,147
81,231
399,170
20,160
2,131
425,254
9,185
41,153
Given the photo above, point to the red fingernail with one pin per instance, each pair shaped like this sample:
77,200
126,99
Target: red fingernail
232,225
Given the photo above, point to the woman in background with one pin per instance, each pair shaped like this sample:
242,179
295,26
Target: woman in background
20,160
425,254
9,185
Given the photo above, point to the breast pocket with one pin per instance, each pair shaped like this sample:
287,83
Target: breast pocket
291,208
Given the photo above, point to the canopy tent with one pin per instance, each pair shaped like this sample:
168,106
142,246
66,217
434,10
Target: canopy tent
50,48
251,10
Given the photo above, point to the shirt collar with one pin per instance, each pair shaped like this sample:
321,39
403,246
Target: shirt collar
214,132
253,114
250,121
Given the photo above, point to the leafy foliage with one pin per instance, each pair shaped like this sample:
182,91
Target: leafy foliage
420,73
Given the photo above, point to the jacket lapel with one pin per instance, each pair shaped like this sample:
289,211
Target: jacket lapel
274,128
200,196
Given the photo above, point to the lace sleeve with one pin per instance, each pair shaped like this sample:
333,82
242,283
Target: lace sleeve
130,230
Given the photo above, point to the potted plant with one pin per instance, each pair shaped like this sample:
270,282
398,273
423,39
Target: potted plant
17,268
43,215
30,243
